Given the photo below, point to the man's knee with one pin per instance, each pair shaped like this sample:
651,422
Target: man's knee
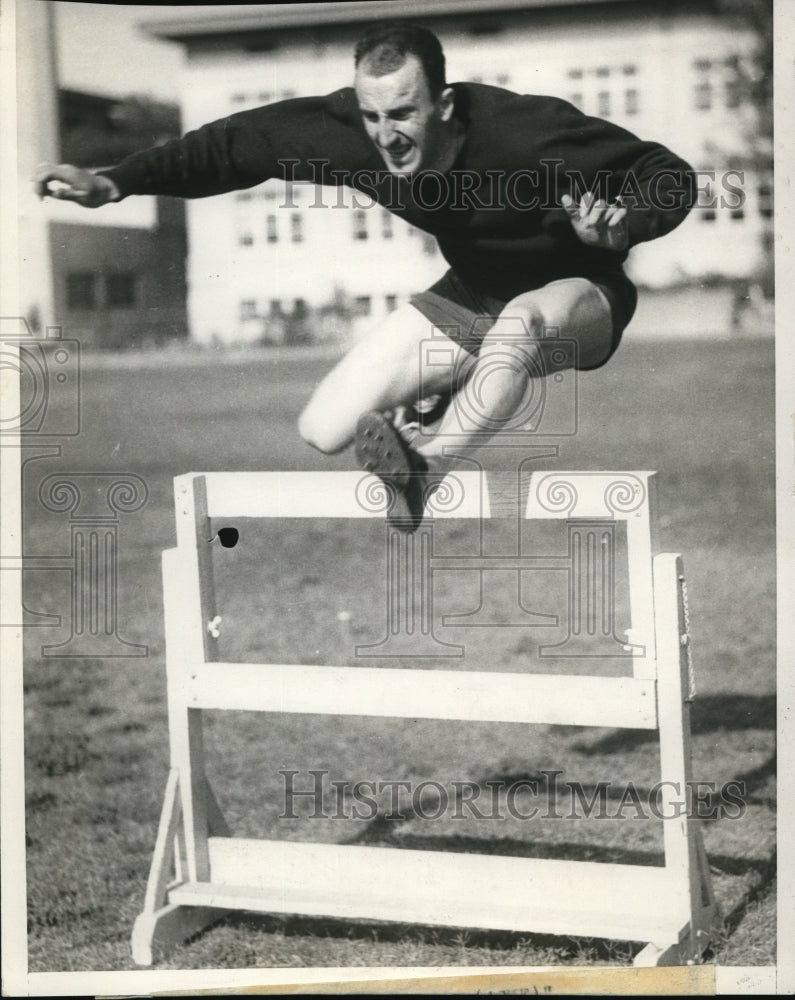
527,319
515,340
571,314
318,430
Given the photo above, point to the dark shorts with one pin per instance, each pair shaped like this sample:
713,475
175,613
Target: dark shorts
463,311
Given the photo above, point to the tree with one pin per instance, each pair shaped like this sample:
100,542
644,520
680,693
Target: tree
754,80
755,75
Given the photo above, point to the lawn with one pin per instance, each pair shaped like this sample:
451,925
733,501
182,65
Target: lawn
96,737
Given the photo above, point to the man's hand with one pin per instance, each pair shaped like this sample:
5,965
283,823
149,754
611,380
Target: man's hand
70,183
596,223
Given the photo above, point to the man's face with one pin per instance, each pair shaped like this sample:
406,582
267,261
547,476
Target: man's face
407,126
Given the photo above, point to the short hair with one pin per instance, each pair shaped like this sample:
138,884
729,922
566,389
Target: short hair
385,46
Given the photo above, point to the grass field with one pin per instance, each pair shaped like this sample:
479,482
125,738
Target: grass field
96,738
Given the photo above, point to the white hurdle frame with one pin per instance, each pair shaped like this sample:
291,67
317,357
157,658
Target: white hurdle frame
195,874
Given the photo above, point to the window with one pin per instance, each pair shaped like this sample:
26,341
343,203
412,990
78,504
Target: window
576,100
765,196
297,227
239,98
359,225
390,301
738,214
429,245
271,232
248,309
732,95
629,70
276,307
603,102
703,95
245,240
121,291
81,290
575,74
732,91
603,71
265,96
387,227
631,103
706,208
503,79
363,305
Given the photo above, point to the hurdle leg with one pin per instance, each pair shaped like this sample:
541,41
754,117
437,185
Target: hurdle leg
190,809
160,922
685,856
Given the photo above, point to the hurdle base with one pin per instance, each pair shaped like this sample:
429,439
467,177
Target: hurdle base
169,926
174,923
693,941
683,952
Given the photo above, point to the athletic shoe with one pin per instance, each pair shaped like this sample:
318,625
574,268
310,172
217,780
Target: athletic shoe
381,449
420,417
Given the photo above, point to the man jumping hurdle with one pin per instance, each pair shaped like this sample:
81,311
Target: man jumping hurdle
535,206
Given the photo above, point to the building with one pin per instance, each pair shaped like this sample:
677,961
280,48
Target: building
114,278
668,71
120,283
118,275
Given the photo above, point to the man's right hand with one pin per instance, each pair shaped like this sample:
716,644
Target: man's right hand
70,183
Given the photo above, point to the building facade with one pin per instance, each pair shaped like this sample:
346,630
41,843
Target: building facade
119,282
118,276
667,71
114,278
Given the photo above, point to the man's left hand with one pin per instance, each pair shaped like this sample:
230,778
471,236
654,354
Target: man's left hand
596,223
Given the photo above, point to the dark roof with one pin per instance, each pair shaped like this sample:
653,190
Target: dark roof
81,99
258,17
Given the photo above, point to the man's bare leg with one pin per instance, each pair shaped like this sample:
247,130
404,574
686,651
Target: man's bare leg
492,386
383,371
380,372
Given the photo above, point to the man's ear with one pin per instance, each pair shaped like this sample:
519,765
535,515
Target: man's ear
446,104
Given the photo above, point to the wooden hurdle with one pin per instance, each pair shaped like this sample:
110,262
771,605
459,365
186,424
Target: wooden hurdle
199,870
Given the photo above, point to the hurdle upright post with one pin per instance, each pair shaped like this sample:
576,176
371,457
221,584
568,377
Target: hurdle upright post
189,806
682,842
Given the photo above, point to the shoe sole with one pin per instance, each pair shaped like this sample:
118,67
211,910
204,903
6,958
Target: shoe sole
380,449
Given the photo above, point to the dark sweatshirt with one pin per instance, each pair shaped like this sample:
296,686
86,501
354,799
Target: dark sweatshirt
496,213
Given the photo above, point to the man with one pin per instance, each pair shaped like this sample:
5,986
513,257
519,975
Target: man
534,206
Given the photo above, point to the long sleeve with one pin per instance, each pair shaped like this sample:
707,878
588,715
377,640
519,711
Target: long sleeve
203,162
657,187
247,148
